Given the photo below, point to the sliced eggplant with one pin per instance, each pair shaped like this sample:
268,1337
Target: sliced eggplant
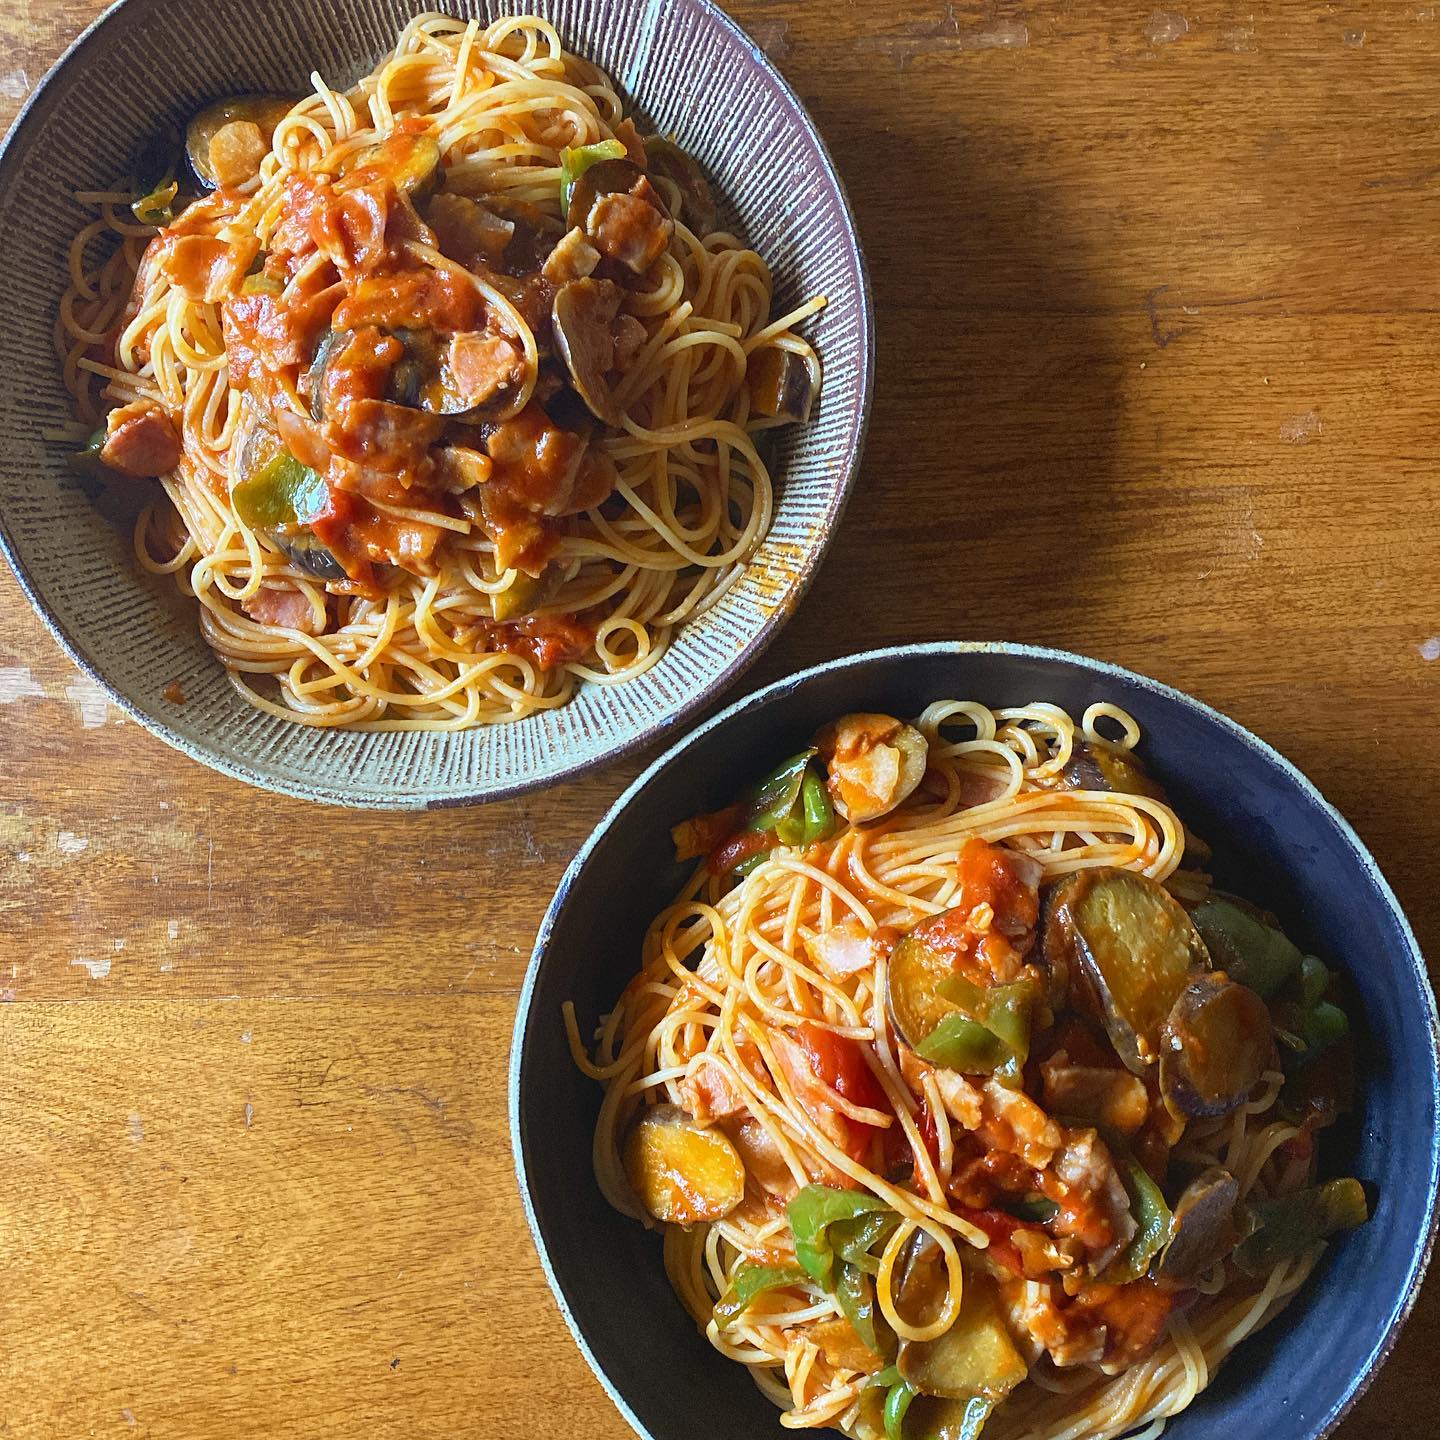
975,1356
330,346
1094,765
533,233
1204,1225
308,554
921,1281
872,763
932,1418
410,162
153,182
682,1174
1245,942
780,384
697,202
1216,1044
467,231
474,375
1122,947
605,177
913,990
583,315
236,156
621,213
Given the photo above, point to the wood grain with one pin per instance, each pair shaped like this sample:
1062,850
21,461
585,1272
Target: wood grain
1158,345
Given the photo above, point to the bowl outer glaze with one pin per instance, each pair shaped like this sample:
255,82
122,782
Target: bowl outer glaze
688,69
1277,839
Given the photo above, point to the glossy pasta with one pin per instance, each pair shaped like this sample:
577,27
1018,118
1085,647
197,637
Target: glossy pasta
422,646
738,966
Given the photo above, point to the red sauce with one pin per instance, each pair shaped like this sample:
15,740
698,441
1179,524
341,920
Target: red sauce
988,876
419,299
340,261
1000,1228
549,640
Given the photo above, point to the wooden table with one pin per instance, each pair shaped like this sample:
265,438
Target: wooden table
1158,349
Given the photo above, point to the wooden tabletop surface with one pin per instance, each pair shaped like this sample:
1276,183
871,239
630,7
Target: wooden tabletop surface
1158,353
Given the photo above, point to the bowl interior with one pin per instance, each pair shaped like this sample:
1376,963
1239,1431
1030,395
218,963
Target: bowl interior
689,71
1276,840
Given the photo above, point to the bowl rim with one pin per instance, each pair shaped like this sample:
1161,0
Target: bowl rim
1400,1307
484,793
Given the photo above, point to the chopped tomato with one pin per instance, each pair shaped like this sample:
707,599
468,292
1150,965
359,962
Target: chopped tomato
839,1063
1000,1228
1134,1317
549,640
987,951
991,875
417,298
818,1062
360,537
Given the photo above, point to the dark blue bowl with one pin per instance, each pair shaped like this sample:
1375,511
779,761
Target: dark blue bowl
1276,840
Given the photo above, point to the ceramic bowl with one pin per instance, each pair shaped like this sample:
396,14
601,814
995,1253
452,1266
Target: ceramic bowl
1275,837
688,69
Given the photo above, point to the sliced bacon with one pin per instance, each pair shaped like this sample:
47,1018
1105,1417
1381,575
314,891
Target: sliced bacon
140,440
206,268
284,607
483,366
709,1094
764,1163
630,227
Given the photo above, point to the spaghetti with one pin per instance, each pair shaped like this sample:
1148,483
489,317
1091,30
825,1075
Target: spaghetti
453,382
930,1158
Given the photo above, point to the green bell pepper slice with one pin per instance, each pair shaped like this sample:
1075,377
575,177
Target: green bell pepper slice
897,1402
1153,1220
811,1214
988,1034
748,1281
1246,947
281,492
856,1297
777,799
854,1240
819,813
575,160
1287,1226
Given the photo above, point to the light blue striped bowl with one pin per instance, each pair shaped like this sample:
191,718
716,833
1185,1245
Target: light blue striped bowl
688,69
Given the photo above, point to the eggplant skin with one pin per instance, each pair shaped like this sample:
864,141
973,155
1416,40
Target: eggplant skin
1204,1227
1216,1045
1094,765
1119,948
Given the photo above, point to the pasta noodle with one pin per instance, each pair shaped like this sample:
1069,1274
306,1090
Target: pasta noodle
737,964
419,643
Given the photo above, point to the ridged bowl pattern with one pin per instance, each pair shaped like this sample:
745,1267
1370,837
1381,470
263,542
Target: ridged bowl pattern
687,69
